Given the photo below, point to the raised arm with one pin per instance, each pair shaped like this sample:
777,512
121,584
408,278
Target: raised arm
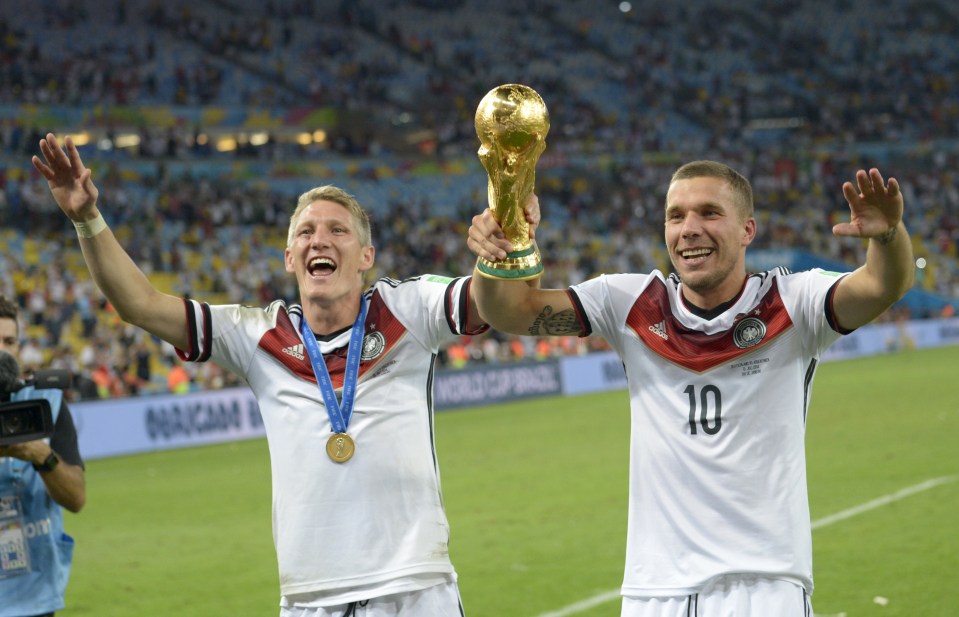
518,307
875,213
121,281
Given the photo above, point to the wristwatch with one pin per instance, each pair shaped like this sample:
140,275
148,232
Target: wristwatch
49,464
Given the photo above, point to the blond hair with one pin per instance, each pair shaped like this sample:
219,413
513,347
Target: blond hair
361,220
712,169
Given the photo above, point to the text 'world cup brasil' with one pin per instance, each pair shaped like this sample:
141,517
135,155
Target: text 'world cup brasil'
512,123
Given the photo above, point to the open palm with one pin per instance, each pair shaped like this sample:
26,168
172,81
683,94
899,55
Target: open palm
874,208
69,180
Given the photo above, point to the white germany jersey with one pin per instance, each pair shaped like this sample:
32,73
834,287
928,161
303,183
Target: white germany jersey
717,460
379,517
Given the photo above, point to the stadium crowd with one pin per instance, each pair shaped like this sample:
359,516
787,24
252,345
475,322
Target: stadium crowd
791,108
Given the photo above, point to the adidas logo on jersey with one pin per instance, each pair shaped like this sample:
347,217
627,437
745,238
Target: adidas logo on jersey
294,350
660,330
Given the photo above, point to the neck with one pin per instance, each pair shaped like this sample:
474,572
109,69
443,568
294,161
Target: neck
713,298
328,317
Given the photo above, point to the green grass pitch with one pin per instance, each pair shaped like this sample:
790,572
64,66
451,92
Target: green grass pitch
536,497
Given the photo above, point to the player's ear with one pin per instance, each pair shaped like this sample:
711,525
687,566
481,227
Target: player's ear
367,258
288,260
749,231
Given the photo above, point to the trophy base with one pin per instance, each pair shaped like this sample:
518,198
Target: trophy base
518,266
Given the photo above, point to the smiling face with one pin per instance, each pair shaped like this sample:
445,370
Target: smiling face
327,254
707,232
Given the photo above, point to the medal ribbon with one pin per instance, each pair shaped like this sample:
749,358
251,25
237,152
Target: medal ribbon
339,413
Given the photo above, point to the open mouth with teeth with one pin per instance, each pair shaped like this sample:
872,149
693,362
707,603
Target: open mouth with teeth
696,255
320,266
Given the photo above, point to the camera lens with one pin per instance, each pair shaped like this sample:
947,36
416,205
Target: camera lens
25,420
14,423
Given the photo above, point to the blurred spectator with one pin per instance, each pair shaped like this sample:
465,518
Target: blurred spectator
775,90
31,355
178,379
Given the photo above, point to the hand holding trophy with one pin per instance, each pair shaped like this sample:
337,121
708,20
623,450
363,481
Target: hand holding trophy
512,123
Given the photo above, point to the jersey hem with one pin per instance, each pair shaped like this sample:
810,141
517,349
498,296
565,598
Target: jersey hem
409,584
672,592
344,584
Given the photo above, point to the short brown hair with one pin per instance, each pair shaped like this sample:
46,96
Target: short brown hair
8,309
712,169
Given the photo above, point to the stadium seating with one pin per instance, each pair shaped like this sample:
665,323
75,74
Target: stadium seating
203,122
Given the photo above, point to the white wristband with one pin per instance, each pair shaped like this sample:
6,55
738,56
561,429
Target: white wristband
88,229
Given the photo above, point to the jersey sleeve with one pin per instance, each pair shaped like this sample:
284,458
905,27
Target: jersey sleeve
809,299
435,309
602,303
225,333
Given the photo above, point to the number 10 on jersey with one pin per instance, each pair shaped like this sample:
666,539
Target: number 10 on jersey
710,408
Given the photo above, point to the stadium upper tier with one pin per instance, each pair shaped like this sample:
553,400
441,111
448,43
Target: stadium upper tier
677,76
203,120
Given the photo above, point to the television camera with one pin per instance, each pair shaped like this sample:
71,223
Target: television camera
31,419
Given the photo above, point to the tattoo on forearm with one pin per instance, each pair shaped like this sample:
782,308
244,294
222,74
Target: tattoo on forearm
887,237
549,323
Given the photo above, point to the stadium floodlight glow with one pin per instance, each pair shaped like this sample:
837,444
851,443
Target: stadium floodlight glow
304,139
921,263
105,144
319,136
127,140
625,7
80,139
259,139
226,144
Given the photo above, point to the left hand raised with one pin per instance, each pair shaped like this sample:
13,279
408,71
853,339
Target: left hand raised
875,209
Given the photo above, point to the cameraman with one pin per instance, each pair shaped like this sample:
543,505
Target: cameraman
36,479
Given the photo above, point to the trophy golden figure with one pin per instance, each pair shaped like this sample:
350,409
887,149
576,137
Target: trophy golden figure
512,123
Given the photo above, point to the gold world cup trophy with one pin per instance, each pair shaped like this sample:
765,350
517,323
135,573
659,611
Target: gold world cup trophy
512,123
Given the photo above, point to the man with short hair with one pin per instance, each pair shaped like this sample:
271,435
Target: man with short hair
37,478
344,383
719,364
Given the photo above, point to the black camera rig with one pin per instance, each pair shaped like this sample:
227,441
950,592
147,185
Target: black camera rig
22,421
30,419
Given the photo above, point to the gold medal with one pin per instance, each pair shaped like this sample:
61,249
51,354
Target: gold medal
340,447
